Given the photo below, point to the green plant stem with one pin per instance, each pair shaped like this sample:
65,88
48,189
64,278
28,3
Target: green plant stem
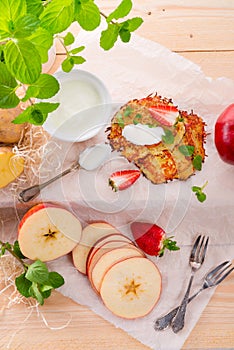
64,46
205,184
4,245
105,16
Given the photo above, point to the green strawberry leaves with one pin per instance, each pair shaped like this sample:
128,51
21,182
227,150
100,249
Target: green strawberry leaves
169,244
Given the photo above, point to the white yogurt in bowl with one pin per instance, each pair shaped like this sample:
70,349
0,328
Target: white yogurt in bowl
85,107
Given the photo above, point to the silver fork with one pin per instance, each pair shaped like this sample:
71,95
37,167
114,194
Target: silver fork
212,279
196,260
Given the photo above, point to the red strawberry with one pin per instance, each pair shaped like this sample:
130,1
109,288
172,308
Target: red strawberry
152,238
120,180
164,114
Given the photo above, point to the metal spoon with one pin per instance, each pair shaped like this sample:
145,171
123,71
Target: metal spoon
90,159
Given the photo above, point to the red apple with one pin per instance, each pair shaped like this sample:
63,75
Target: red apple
48,231
224,135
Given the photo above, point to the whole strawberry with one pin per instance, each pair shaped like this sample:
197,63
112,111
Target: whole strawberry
152,238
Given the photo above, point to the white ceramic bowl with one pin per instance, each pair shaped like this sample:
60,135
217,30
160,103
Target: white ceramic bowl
85,107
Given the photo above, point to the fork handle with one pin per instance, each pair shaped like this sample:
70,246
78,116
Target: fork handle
178,321
164,321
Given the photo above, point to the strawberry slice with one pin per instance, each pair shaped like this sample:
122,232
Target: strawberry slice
152,238
120,180
164,114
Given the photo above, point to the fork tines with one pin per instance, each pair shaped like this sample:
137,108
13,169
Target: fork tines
221,272
197,254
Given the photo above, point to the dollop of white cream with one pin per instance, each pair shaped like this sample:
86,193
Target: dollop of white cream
141,134
92,157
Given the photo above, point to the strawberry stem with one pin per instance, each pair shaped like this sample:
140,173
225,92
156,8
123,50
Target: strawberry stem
169,244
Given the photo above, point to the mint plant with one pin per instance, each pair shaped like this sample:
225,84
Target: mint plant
36,281
27,32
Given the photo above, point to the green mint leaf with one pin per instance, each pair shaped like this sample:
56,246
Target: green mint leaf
8,98
25,26
11,10
17,251
120,121
201,196
35,293
186,150
68,64
134,23
137,119
125,35
197,162
45,288
77,50
68,39
23,60
78,59
168,138
128,110
23,285
45,87
196,189
109,36
87,14
55,279
42,40
37,272
46,294
46,107
121,11
2,251
57,15
35,7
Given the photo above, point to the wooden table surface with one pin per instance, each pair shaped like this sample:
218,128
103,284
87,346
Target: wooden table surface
203,32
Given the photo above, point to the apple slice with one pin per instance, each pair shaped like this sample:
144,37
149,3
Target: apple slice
108,259
105,247
131,288
102,241
90,235
47,232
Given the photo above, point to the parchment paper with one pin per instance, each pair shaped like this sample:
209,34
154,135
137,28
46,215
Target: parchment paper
134,71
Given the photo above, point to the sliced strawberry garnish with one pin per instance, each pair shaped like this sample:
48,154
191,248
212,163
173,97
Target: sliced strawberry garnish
164,114
151,238
120,180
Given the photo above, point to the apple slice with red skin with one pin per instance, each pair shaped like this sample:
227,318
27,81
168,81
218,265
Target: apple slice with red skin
109,258
90,235
106,247
48,231
102,241
131,288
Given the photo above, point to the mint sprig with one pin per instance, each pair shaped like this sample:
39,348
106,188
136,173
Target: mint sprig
36,281
27,32
201,196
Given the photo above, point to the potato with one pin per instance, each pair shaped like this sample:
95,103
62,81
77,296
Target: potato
9,132
11,166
